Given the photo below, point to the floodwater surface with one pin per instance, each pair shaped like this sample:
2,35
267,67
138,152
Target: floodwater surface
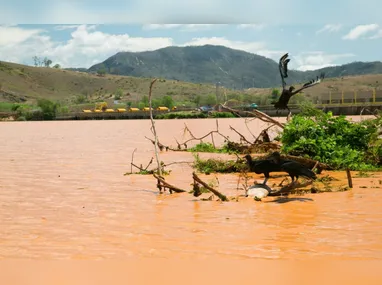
63,195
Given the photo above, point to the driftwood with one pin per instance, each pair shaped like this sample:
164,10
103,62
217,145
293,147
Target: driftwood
205,185
161,183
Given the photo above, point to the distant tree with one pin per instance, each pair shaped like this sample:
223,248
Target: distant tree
168,101
145,100
197,100
101,72
57,66
141,105
128,104
37,61
118,94
209,100
47,62
48,108
155,103
275,93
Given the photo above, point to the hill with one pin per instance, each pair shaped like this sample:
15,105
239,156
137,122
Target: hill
77,90
235,69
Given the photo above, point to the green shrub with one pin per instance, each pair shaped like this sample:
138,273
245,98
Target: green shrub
333,140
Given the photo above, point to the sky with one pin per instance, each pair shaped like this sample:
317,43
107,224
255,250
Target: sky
82,33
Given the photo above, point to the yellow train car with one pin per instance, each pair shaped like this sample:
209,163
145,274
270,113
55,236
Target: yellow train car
134,110
173,108
146,109
121,110
87,111
162,109
97,111
109,110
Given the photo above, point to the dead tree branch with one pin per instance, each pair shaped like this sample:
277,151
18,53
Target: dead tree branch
153,127
161,183
205,185
256,113
242,137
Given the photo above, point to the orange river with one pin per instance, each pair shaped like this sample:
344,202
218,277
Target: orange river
64,196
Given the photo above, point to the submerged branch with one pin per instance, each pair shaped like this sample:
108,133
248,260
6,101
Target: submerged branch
161,183
205,185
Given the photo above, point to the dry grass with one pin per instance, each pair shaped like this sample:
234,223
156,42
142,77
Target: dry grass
62,85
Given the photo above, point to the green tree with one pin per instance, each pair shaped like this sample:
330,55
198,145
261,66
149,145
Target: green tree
155,103
168,101
209,100
145,100
197,100
118,94
101,72
57,66
48,108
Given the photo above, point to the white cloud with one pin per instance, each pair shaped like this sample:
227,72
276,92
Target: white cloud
315,60
11,35
330,28
86,46
359,31
378,35
251,26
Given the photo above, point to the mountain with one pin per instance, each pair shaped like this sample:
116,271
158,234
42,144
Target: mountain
211,64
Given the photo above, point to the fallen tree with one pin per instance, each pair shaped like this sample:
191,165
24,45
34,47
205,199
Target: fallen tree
314,138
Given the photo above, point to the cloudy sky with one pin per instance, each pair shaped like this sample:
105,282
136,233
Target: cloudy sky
81,33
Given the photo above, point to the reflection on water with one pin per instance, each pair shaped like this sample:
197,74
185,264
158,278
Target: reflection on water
63,195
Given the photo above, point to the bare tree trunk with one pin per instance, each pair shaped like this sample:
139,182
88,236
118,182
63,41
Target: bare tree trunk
153,128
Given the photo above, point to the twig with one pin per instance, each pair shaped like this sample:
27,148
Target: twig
241,136
261,133
161,183
162,146
153,127
314,167
217,193
249,130
151,161
132,161
260,115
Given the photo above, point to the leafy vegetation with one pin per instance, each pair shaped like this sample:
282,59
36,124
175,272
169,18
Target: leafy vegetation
209,147
333,140
210,165
182,115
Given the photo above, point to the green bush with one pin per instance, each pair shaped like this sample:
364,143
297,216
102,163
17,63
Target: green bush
333,140
48,108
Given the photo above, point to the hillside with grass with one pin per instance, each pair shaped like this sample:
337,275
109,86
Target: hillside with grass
210,64
74,91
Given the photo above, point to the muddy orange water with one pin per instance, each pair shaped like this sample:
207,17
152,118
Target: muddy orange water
63,195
